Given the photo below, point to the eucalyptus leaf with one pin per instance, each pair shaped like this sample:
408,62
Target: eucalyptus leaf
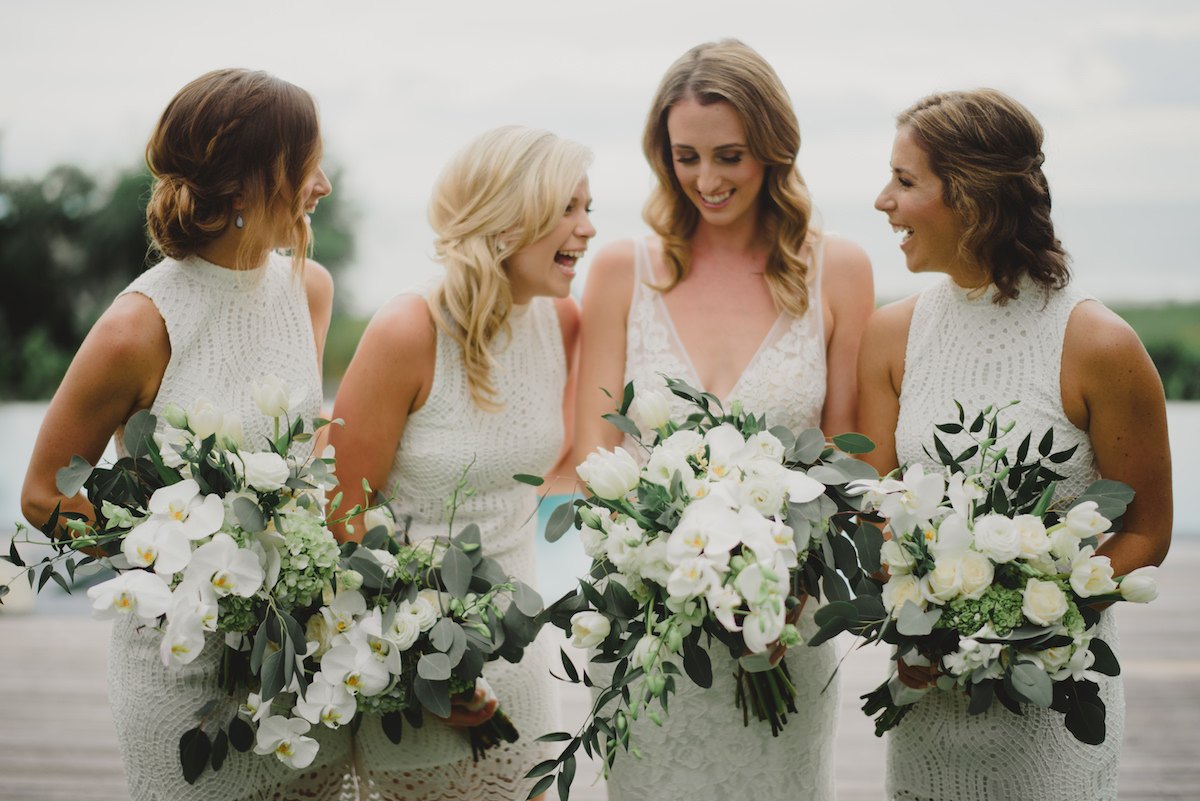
249,515
1030,683
139,434
433,667
913,622
527,599
809,445
560,522
456,572
853,443
433,695
70,479
1111,497
624,424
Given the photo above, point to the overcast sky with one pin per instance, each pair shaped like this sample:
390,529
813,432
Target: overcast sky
402,86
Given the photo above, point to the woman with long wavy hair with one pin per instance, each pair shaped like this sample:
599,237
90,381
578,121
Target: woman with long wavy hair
474,373
739,294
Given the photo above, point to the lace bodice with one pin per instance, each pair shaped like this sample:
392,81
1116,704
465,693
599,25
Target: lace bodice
448,435
785,379
228,330
980,353
703,752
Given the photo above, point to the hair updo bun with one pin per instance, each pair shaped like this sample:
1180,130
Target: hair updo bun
226,135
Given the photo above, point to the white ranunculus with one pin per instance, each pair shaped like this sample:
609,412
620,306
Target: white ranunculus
998,538
943,582
285,738
1034,540
263,470
609,474
1092,574
405,627
1085,520
652,565
899,589
652,407
589,629
762,445
975,574
1141,585
1044,602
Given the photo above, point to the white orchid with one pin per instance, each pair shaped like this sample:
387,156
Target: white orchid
916,504
284,737
230,570
355,666
198,515
134,592
183,639
326,703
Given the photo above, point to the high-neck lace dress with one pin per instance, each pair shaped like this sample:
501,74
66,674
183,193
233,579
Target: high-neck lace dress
976,352
228,329
703,752
447,435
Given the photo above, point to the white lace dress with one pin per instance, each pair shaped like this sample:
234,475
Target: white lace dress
447,434
981,353
227,330
703,752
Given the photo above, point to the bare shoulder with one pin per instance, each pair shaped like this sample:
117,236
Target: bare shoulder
845,259
614,261
1095,334
403,323
131,328
318,283
892,319
568,317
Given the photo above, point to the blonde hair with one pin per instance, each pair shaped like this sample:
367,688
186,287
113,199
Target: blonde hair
731,72
502,192
228,133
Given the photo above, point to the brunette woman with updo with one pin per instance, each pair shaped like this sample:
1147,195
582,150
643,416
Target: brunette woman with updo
236,160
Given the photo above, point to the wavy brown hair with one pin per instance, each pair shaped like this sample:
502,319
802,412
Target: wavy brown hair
987,150
233,133
504,191
731,72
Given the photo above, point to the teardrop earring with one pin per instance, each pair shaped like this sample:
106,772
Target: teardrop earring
238,222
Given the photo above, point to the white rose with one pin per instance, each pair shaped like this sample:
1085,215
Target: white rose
611,475
942,583
975,573
899,589
895,557
998,538
1053,659
1085,520
1091,574
386,560
1034,540
765,490
1044,603
764,445
1141,585
380,517
686,441
589,629
653,407
264,470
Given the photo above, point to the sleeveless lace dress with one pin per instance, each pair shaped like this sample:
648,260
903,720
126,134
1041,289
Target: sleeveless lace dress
446,435
703,752
980,353
228,330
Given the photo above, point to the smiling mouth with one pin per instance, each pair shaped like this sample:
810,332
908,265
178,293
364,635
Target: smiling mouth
903,229
716,200
566,260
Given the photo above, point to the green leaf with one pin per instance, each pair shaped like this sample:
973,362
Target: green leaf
434,667
392,724
250,517
526,598
565,777
560,522
1111,497
809,446
697,662
913,622
853,443
949,428
220,749
533,481
1106,661
624,425
139,434
543,784
433,695
571,672
241,735
273,669
71,478
194,750
868,540
1047,442
1030,683
456,572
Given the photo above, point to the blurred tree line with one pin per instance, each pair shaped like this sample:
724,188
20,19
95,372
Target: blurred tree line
69,243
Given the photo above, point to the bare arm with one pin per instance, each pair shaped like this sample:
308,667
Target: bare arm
561,478
880,375
318,285
849,290
602,347
116,373
1112,390
388,379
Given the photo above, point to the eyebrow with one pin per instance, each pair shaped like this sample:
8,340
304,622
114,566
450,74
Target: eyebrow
718,147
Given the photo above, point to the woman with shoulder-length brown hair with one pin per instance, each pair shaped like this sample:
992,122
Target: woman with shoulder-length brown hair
737,293
969,195
236,159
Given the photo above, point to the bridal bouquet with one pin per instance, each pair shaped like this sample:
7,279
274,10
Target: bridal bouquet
991,587
723,534
407,627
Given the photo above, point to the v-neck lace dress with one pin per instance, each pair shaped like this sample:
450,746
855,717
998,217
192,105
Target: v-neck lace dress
703,752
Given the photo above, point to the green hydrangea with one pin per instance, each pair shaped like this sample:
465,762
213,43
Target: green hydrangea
999,606
235,613
308,560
